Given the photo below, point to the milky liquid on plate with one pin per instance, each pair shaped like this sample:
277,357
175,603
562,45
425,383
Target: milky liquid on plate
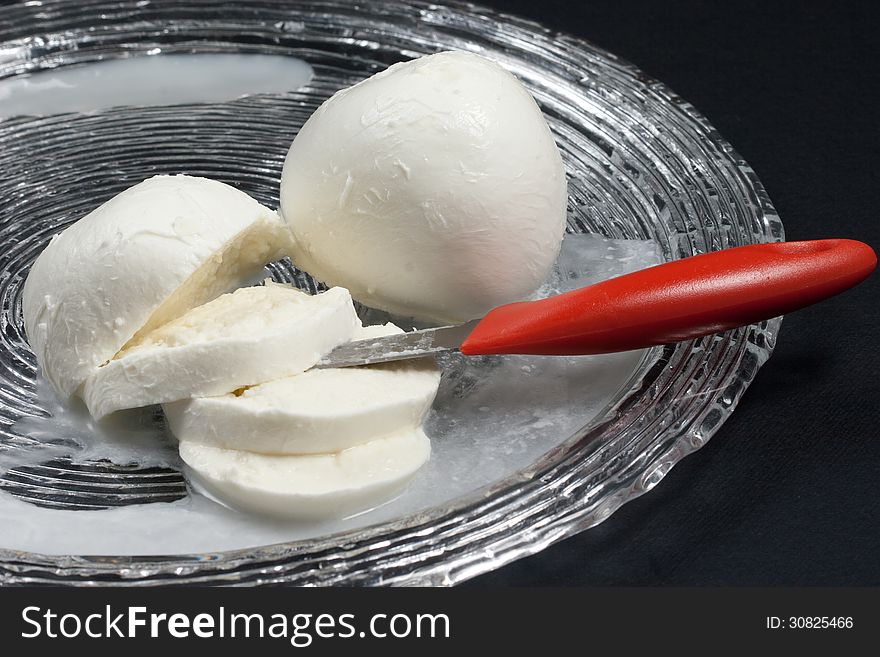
493,416
150,80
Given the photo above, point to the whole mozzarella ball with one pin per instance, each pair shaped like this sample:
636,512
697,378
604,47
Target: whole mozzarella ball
433,189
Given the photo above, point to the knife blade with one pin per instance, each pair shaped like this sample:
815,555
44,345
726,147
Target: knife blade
401,346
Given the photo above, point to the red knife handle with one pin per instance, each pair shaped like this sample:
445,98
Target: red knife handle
676,301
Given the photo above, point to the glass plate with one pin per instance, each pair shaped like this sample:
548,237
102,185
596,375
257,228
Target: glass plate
642,163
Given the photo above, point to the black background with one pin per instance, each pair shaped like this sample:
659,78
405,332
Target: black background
787,491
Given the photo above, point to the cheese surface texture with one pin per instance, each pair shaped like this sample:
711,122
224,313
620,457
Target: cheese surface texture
144,257
318,411
433,189
250,336
313,486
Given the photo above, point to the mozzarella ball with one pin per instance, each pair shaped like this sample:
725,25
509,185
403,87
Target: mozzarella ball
433,189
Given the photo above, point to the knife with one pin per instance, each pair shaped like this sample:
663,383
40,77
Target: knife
673,302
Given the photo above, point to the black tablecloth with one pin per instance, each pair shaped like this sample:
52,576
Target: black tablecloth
787,491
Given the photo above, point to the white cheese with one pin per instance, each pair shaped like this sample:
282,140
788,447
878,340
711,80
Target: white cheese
309,487
321,410
250,336
433,189
144,257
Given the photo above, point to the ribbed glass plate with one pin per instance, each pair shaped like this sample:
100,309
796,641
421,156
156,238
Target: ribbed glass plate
642,163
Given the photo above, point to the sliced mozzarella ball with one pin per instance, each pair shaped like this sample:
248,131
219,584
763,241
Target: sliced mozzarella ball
321,410
311,486
252,335
433,189
144,257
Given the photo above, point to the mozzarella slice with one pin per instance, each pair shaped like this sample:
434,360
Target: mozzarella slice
144,257
252,335
321,410
311,486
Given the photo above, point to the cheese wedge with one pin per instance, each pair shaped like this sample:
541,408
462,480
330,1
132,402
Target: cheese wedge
321,410
309,487
146,256
250,336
